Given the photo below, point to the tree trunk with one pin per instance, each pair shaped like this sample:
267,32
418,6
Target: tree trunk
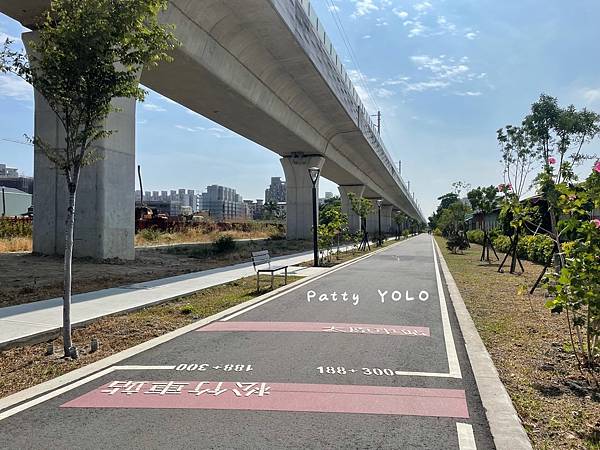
68,263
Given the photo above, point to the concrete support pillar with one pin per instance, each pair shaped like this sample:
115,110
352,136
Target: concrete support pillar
387,223
299,194
373,221
386,220
354,224
104,212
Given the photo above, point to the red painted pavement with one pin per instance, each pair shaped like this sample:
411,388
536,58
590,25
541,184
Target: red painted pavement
318,327
328,398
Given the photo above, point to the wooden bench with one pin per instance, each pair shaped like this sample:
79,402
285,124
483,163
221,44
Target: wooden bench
263,258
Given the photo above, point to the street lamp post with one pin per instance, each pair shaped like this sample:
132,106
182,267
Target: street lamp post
314,177
379,241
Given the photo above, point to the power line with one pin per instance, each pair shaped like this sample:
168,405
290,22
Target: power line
16,142
348,45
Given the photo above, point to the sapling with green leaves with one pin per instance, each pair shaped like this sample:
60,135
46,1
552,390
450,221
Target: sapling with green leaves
484,200
520,160
361,207
88,52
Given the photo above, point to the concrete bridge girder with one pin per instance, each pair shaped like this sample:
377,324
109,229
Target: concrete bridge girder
241,65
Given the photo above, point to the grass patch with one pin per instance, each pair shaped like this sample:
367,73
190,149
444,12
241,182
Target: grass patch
528,346
26,366
16,244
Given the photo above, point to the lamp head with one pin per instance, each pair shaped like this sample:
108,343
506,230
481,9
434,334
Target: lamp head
379,202
314,174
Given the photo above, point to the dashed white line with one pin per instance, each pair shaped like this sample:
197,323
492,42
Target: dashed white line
466,439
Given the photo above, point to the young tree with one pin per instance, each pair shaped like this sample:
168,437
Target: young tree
558,135
519,158
483,201
89,52
362,207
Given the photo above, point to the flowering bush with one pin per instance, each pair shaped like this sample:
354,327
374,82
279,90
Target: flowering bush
576,288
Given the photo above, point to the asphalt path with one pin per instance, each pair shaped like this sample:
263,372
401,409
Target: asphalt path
312,368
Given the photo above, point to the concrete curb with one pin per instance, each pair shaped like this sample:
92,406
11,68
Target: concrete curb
83,372
506,427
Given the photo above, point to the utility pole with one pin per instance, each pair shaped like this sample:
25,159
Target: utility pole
400,167
379,122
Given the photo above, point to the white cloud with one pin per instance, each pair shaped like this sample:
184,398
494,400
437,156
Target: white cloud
422,6
471,35
16,88
469,93
333,8
416,28
381,22
367,36
153,107
364,7
383,93
445,25
591,95
400,13
438,72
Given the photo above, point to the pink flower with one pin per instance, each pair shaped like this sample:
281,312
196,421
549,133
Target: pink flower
552,160
501,187
572,197
509,187
597,166
595,222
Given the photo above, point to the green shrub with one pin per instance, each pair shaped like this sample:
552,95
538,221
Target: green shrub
11,228
475,236
457,242
224,244
502,243
150,234
187,309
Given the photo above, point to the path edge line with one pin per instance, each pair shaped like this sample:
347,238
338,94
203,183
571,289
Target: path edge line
506,427
89,370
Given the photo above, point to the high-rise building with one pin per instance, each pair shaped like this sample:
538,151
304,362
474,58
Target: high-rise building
276,192
223,203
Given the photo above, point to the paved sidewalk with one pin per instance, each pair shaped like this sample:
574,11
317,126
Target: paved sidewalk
32,321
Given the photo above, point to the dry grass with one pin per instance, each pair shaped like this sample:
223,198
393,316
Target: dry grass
26,278
16,244
23,367
197,235
529,347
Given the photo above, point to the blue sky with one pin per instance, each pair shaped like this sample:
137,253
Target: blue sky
446,75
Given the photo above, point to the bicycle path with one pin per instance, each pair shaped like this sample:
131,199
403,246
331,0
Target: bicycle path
369,355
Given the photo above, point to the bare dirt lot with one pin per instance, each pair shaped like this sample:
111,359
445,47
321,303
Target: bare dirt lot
26,278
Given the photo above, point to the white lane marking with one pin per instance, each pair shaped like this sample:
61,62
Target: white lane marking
453,364
466,439
159,340
144,367
53,394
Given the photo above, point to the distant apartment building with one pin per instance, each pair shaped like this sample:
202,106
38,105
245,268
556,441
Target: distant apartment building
276,192
223,203
176,203
10,178
255,209
8,172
